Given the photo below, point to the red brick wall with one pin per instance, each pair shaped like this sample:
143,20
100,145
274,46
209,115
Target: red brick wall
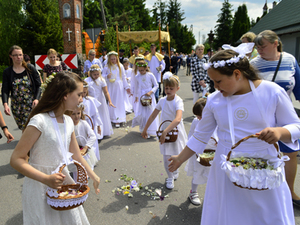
73,46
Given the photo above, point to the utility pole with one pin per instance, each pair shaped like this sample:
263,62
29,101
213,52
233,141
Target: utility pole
103,15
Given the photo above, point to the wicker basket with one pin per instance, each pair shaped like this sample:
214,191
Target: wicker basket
146,100
239,142
70,201
206,161
171,136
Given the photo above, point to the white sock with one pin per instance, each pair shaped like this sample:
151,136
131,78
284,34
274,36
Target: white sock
194,186
166,164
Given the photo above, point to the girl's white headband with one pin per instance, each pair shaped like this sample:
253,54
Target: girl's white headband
242,49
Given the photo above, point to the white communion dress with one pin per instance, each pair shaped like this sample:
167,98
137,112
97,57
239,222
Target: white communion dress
96,91
226,203
46,156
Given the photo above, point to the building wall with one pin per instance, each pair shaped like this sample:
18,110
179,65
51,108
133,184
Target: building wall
291,44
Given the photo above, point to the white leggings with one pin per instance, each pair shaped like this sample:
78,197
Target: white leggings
166,164
196,95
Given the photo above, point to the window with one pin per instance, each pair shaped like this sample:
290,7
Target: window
77,11
67,10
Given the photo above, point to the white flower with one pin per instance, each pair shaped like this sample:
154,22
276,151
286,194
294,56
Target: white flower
126,207
222,63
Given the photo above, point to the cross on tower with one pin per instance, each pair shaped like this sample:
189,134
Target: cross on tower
69,32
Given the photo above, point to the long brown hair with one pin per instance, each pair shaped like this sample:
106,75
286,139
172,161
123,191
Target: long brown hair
242,65
62,84
16,47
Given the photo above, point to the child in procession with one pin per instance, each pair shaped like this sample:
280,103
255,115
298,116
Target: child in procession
50,138
85,136
97,88
145,86
114,74
171,107
193,167
128,98
91,106
243,105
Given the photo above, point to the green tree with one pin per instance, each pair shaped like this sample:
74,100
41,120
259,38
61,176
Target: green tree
223,29
131,13
92,17
11,18
42,28
241,23
159,14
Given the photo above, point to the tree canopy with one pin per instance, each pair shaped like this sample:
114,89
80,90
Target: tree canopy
241,23
223,29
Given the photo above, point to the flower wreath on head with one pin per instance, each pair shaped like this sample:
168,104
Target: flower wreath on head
168,75
112,53
48,80
242,49
95,69
142,65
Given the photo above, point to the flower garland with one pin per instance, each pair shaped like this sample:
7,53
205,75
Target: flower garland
242,49
48,80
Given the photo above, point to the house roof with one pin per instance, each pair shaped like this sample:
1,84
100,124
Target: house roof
283,18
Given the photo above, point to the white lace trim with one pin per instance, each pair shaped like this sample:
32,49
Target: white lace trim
52,192
256,178
66,202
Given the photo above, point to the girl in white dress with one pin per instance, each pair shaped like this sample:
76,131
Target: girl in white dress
47,151
114,74
193,167
91,106
128,98
85,136
97,88
171,107
145,84
244,105
134,73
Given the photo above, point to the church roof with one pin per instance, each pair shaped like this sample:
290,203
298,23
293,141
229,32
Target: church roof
283,18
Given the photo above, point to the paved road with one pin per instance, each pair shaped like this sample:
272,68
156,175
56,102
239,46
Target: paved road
124,153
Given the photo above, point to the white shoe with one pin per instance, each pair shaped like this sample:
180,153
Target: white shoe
175,176
194,198
148,136
117,125
170,183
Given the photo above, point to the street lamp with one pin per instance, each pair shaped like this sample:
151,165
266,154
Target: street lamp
211,37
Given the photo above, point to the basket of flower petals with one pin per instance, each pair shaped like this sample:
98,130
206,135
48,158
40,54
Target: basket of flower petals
171,136
254,173
209,153
69,196
146,100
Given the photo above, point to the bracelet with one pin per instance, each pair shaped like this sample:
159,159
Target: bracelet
4,127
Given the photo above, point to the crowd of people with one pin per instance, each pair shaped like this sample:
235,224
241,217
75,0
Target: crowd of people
236,92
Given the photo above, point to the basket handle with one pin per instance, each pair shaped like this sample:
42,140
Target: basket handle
163,123
80,175
90,120
246,138
214,139
61,168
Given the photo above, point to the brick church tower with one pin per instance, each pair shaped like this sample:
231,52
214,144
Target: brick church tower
70,12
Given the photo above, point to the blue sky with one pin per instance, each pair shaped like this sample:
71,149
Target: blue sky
203,14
